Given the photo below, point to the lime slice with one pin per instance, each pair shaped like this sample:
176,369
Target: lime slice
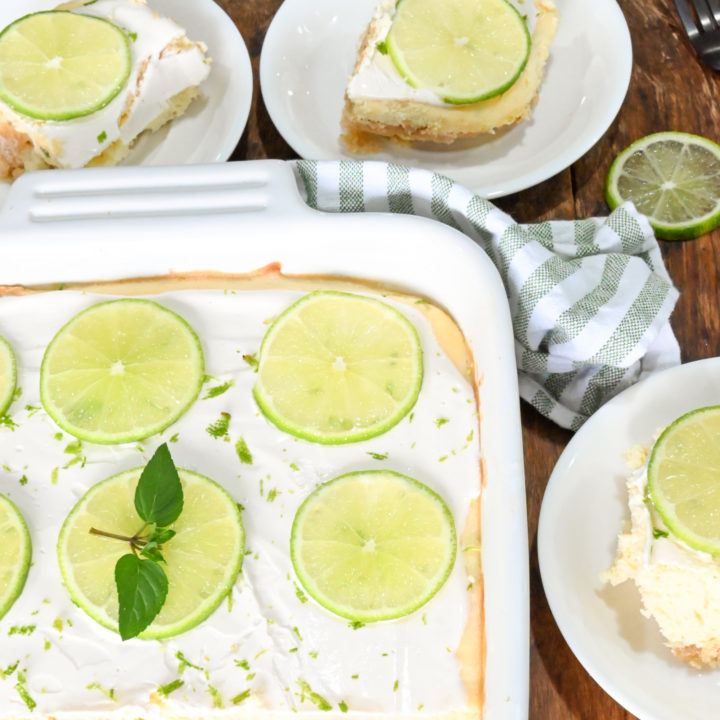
15,550
59,65
373,545
683,474
337,367
203,559
674,179
462,50
8,376
120,371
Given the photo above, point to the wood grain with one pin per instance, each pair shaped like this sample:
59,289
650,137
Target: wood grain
669,90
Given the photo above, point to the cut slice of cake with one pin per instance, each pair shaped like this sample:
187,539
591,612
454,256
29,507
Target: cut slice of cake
383,99
679,586
166,70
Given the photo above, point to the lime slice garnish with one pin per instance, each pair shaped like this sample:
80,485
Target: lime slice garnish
462,50
373,545
120,371
15,551
8,375
203,559
59,65
337,367
684,478
674,179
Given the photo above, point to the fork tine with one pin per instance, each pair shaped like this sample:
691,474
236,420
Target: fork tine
704,15
715,9
687,20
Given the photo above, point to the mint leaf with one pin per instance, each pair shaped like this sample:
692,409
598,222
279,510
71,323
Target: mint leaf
159,494
151,552
161,535
142,588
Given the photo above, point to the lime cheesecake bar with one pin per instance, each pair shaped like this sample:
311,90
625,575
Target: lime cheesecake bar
166,69
670,551
437,72
272,648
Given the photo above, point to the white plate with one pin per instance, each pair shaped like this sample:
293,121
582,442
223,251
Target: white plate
584,508
309,53
212,127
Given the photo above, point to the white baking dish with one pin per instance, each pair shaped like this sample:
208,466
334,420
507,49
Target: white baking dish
63,226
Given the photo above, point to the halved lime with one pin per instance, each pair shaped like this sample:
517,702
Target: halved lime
462,50
674,179
120,371
15,551
8,375
203,559
373,545
59,65
337,367
684,478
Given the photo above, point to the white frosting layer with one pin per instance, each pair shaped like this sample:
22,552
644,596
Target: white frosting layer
665,549
266,640
376,76
155,78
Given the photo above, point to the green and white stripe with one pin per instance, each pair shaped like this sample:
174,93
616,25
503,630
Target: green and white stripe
590,299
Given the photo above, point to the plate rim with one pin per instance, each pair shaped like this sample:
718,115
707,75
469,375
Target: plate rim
273,42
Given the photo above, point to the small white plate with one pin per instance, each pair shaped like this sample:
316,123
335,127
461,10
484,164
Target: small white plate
213,124
584,509
309,53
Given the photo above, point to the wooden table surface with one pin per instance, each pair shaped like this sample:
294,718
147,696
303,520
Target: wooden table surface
669,90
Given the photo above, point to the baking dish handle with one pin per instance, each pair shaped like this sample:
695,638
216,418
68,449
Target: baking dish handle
151,193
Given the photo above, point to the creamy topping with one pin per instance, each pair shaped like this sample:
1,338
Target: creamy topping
268,646
164,63
661,546
376,76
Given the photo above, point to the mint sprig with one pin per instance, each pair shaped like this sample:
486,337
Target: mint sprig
142,584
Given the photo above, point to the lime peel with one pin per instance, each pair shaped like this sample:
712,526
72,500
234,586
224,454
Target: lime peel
190,567
674,179
120,371
337,367
49,68
15,552
8,375
683,480
373,545
464,51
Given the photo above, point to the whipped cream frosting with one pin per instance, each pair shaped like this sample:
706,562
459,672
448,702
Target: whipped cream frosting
164,63
375,75
268,646
661,546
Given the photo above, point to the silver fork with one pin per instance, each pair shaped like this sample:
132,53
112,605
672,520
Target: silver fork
705,37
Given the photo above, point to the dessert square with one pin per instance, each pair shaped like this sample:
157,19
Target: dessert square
269,650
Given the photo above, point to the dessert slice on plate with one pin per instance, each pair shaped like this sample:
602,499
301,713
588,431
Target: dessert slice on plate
672,549
437,72
79,84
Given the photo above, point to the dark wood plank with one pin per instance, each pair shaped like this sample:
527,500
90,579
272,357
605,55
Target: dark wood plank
669,90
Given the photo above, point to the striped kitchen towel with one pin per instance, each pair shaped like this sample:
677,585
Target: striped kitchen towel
590,299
